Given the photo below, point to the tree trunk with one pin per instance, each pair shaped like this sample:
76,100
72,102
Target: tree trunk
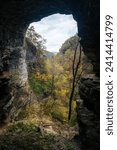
75,70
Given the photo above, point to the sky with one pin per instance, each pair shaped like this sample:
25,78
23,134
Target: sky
56,29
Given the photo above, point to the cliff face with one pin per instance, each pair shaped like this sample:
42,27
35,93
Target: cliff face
15,16
15,92
88,113
31,51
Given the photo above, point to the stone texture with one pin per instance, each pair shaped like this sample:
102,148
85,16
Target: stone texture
89,114
31,51
15,17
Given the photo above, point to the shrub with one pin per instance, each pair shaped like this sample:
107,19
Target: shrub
40,88
60,113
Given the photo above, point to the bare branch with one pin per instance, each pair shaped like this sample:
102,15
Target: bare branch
74,79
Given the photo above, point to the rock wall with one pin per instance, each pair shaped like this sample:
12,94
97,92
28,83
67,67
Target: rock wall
15,16
15,92
13,71
31,51
89,114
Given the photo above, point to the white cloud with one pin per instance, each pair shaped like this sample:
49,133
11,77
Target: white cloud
56,29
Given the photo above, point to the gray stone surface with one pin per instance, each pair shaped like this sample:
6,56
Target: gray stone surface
89,114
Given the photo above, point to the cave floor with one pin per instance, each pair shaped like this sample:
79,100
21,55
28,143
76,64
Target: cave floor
44,135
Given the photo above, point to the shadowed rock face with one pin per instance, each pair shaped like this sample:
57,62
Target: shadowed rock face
15,16
88,113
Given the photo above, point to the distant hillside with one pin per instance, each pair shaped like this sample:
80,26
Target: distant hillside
55,53
69,44
48,54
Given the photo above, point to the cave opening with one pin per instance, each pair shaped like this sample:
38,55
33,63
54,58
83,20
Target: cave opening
16,16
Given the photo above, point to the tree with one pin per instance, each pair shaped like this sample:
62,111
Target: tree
76,63
36,38
75,67
39,43
55,70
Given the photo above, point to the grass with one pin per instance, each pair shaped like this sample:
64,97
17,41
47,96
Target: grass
40,88
25,136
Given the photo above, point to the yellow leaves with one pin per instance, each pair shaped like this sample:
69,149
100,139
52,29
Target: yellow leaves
54,67
73,104
43,77
60,113
62,92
